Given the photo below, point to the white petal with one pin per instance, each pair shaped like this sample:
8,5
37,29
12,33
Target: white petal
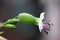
40,21
40,27
42,16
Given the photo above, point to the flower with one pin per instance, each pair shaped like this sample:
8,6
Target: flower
44,26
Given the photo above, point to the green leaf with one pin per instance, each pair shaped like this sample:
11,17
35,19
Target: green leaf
10,26
12,21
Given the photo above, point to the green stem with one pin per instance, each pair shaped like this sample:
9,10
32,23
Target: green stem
16,17
37,20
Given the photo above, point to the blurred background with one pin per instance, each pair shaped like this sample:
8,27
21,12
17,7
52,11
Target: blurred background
11,8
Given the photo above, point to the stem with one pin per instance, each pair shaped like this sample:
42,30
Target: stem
16,17
37,21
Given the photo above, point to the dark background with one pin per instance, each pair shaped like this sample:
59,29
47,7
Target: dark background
11,8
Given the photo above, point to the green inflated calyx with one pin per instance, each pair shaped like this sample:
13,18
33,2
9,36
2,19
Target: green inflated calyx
10,26
12,21
27,18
